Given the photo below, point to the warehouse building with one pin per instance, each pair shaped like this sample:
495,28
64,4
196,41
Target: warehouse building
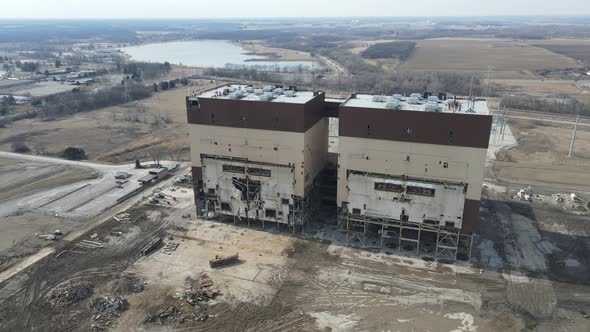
410,171
257,152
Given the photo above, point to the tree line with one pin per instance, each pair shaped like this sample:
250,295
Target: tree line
76,102
401,50
561,104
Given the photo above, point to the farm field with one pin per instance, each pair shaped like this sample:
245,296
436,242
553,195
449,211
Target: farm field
508,59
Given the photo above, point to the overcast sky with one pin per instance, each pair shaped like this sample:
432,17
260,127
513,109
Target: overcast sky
283,8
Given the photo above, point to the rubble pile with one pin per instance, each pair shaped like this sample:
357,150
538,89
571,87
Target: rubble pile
70,293
198,290
191,303
178,314
108,306
127,284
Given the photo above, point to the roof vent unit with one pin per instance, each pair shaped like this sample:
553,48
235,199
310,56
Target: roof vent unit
432,106
233,89
433,98
393,104
378,99
236,95
249,89
278,91
268,88
290,93
267,96
397,96
414,100
416,95
258,92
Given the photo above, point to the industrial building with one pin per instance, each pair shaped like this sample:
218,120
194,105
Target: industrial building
257,152
409,169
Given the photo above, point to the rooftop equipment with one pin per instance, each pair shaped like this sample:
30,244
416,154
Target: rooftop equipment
433,98
290,93
378,99
278,91
397,96
268,88
432,106
414,100
267,96
249,89
258,92
416,95
393,104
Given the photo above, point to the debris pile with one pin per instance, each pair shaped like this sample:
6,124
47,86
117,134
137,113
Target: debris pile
190,305
122,217
108,306
170,247
72,292
198,290
126,285
525,194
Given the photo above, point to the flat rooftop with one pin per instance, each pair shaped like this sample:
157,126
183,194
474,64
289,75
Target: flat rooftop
400,103
268,93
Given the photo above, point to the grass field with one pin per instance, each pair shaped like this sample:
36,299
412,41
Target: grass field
116,134
508,59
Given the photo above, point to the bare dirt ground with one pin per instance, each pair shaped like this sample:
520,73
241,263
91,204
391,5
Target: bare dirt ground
115,134
528,273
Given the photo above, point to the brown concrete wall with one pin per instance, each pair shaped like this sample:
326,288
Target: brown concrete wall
453,129
470,216
291,117
316,150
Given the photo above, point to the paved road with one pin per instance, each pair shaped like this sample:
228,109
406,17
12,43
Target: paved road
51,160
75,235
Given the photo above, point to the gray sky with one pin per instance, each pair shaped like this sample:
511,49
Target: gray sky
283,8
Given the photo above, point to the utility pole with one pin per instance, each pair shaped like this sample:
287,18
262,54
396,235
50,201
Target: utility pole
571,154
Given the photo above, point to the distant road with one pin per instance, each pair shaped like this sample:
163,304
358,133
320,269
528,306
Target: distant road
52,160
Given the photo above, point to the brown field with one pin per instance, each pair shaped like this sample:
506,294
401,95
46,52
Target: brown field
116,134
278,54
540,158
579,52
542,87
509,59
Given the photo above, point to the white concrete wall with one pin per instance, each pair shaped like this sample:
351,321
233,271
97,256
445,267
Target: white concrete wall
445,206
273,189
307,151
426,161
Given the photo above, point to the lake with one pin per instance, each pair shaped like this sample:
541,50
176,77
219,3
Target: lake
206,53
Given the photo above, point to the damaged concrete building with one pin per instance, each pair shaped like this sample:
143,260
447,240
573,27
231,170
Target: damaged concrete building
409,169
257,152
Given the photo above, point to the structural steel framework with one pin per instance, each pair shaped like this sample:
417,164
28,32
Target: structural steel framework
449,242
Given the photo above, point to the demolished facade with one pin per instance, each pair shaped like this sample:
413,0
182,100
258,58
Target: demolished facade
257,153
409,169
